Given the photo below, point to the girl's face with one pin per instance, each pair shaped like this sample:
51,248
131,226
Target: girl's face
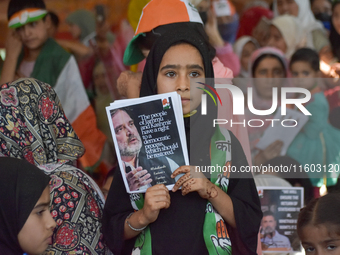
288,7
276,39
248,49
36,234
34,34
336,18
321,6
74,30
180,64
304,75
319,240
266,70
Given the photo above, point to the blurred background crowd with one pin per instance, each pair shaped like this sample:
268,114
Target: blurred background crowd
250,37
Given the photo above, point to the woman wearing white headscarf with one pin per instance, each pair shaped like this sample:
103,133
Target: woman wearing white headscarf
287,35
302,11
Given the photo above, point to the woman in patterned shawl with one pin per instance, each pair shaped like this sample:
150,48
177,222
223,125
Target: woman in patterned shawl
33,127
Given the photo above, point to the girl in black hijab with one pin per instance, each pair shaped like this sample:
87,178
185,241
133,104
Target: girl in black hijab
26,224
334,36
224,208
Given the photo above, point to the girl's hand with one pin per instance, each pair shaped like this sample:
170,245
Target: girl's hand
129,83
273,150
156,198
211,28
13,44
192,180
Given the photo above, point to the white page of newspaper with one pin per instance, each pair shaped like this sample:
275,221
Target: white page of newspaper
277,131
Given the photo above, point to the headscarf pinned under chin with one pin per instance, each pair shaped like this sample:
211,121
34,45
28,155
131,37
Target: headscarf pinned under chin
21,186
33,125
199,143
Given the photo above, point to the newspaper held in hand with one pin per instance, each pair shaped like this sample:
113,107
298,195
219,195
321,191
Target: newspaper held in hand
149,138
285,132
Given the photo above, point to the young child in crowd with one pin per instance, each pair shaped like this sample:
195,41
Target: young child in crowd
318,143
269,68
318,225
244,47
43,59
174,219
26,224
30,131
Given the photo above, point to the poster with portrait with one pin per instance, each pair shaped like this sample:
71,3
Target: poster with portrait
280,207
149,139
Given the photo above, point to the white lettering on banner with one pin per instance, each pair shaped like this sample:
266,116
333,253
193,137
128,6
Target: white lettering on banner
238,100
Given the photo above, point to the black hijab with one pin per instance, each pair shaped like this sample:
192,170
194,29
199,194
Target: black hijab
198,128
334,37
21,186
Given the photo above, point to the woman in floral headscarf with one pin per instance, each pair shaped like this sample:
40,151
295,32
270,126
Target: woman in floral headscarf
33,127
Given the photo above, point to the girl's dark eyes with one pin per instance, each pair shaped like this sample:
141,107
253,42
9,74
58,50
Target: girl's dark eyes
194,74
295,74
19,29
170,74
331,247
41,212
309,249
33,24
278,71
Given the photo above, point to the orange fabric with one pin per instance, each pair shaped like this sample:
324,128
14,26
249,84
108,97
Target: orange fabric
232,8
176,12
134,11
93,139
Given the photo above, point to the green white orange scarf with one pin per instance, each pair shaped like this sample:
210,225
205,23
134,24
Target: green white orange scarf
25,16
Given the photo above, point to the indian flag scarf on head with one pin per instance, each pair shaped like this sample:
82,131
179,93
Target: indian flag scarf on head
25,16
